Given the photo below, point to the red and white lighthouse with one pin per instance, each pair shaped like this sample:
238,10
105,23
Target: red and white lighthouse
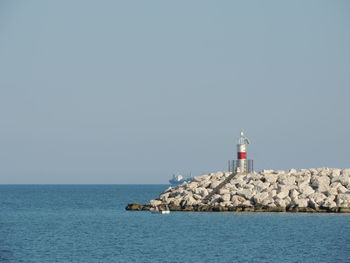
241,165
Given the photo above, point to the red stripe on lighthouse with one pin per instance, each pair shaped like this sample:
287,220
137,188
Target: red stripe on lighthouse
241,155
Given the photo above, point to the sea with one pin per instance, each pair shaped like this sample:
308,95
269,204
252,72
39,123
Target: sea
89,223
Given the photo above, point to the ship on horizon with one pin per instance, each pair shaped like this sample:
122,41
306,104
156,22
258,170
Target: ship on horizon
178,179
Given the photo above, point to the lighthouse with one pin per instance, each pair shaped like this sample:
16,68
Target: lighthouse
242,164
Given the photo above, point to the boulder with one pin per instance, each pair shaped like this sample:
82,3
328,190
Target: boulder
280,202
134,207
238,183
216,198
197,197
329,204
267,171
282,194
343,179
312,204
342,190
223,191
343,200
226,197
204,192
272,193
205,183
301,202
259,186
174,201
320,182
293,194
306,190
269,201
188,201
164,197
259,197
214,184
237,200
286,180
346,172
319,198
335,173
292,171
248,186
302,179
155,202
270,178
201,178
246,193
332,190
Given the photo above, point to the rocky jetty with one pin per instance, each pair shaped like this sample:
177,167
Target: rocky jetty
305,190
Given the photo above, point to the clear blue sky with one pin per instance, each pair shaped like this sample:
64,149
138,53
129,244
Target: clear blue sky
132,91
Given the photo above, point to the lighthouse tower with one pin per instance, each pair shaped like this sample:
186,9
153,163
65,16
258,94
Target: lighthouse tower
242,164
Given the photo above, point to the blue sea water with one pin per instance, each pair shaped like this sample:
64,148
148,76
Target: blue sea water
88,223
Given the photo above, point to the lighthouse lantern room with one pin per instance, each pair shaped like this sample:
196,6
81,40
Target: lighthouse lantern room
242,164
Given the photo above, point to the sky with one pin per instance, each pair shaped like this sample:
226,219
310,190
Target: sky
130,92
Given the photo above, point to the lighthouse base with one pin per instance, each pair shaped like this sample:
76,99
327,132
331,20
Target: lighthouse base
240,166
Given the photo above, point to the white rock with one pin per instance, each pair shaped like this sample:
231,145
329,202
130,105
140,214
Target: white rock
342,190
197,197
319,181
319,198
155,202
267,171
223,191
346,172
272,193
237,200
282,194
292,171
343,179
259,197
248,186
216,198
205,184
286,180
214,184
324,172
204,192
329,204
343,200
293,194
301,202
174,201
302,179
230,187
247,203
280,203
164,197
280,172
246,193
190,200
268,202
201,178
312,203
192,185
335,173
271,178
225,204
226,197
332,191
306,191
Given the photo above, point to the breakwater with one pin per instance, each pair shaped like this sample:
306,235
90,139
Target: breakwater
305,190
